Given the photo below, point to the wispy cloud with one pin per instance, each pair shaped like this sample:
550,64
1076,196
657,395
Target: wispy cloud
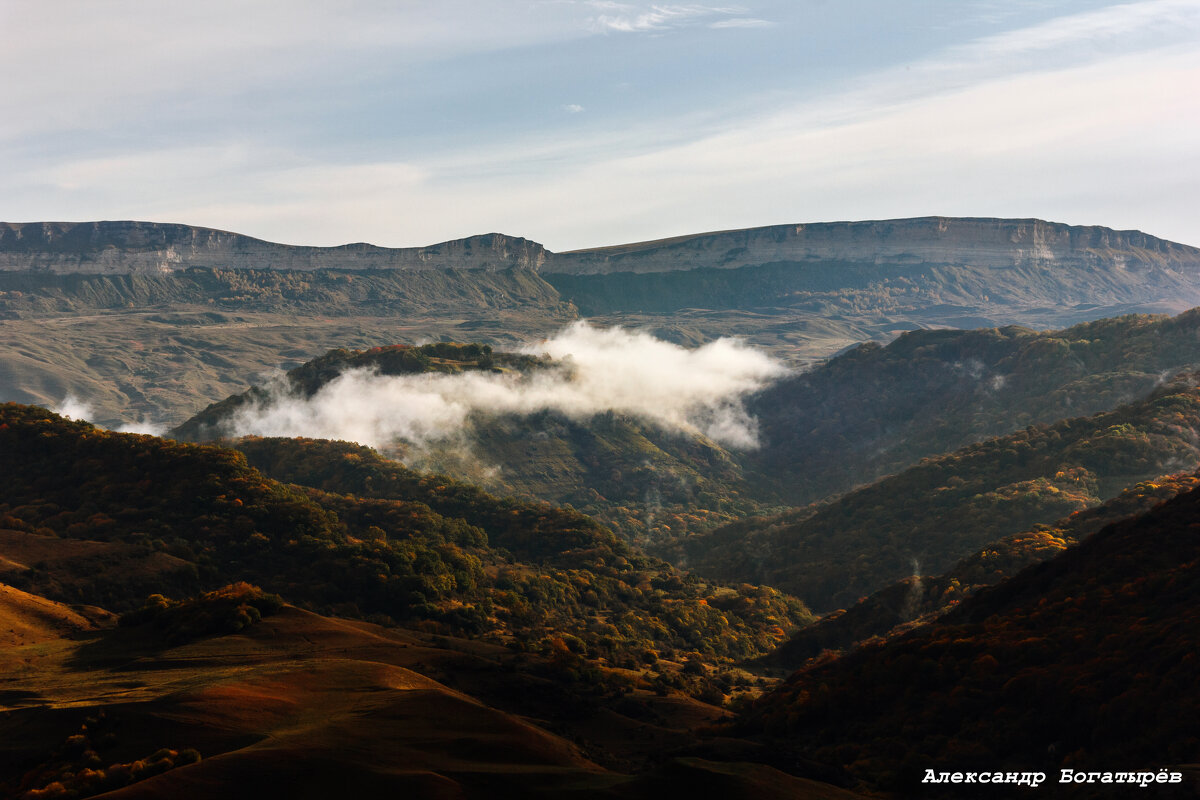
572,108
658,17
742,22
1086,117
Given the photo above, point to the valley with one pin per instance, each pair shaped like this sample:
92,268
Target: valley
801,511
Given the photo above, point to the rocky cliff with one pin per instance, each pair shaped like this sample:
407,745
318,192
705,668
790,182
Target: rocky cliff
148,247
988,243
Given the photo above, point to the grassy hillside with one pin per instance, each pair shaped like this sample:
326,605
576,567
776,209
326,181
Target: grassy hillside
288,703
924,519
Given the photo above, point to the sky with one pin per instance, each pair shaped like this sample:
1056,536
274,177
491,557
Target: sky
582,123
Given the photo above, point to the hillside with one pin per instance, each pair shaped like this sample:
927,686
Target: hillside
290,703
512,647
921,598
429,550
872,411
923,519
636,477
875,410
1083,662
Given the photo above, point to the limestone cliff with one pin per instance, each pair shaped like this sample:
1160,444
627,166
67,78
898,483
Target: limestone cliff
152,247
988,243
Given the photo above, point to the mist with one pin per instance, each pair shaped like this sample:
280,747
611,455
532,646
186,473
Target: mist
76,408
697,392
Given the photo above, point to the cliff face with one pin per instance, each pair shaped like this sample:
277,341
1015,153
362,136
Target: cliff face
987,243
149,247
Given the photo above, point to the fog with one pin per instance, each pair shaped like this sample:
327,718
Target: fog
697,391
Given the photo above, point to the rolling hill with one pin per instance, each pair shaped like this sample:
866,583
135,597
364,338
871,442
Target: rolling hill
295,704
158,516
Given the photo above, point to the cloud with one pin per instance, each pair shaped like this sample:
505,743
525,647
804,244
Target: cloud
80,410
572,108
742,22
75,408
1084,118
611,370
657,18
148,428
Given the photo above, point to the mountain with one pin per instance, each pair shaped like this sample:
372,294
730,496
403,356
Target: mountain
134,306
876,410
1084,662
988,243
921,598
128,247
634,476
855,419
934,267
925,518
134,247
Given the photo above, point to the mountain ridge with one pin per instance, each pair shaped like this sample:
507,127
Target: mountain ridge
114,247
127,246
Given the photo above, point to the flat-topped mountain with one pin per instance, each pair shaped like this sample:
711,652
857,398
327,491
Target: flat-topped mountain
152,247
136,247
981,242
155,320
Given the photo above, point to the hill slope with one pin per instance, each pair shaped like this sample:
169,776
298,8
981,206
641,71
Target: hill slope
299,705
875,410
1083,662
636,477
919,599
927,517
422,549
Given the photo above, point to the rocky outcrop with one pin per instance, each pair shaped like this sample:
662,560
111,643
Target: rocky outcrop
150,247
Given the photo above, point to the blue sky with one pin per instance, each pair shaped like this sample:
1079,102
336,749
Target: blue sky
583,123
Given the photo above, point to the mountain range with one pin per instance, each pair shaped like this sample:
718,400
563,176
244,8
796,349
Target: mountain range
132,302
935,513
